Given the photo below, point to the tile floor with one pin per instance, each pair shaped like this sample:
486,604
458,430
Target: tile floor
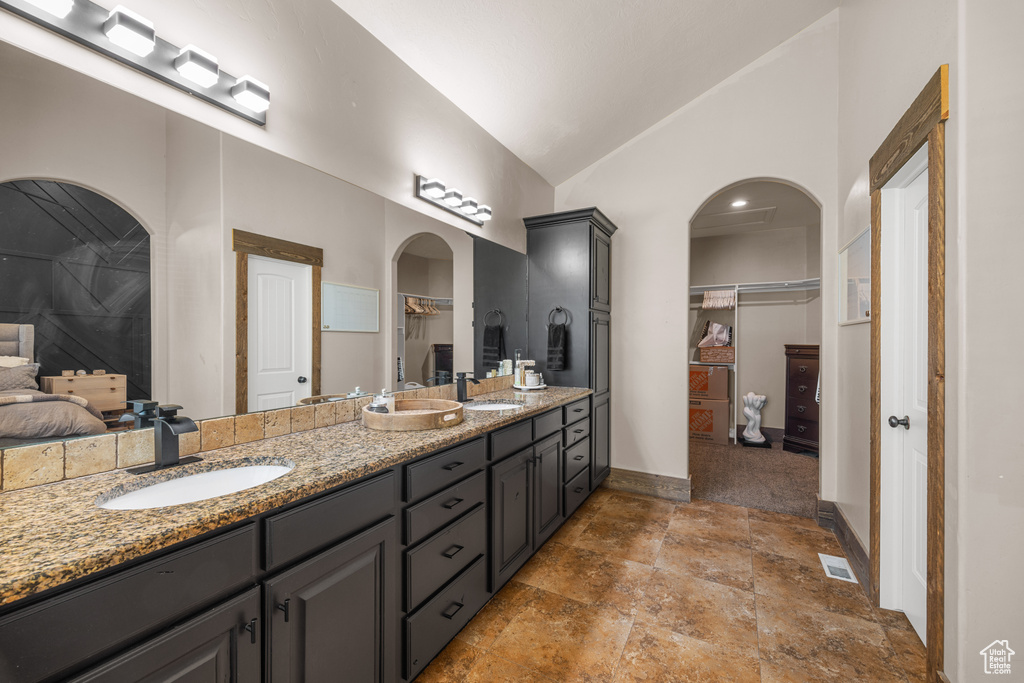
634,588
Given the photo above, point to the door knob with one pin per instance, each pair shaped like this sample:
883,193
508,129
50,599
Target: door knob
894,422
302,380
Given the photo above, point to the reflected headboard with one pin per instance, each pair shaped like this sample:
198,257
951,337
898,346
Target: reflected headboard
17,340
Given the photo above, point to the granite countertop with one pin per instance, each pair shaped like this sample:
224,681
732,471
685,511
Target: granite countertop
53,534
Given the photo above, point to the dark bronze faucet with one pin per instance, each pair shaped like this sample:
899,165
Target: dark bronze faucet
460,386
167,427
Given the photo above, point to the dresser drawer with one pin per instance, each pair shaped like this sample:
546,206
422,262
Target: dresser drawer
511,439
55,635
436,623
304,529
434,562
803,389
576,491
577,431
103,392
425,518
805,430
803,371
432,474
577,458
804,408
547,424
577,411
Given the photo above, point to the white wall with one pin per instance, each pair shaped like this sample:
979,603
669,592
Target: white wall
341,102
774,119
419,275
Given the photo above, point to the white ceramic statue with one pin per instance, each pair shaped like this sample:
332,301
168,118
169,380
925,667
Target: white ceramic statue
752,405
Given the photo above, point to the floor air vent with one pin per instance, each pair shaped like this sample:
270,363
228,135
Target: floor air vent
837,568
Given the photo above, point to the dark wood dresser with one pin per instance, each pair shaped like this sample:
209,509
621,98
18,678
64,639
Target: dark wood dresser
801,408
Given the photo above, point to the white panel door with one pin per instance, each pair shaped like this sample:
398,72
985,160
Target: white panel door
280,333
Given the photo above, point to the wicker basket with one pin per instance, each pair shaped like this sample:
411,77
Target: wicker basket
718,354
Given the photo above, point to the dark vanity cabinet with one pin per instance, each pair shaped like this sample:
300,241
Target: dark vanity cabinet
570,258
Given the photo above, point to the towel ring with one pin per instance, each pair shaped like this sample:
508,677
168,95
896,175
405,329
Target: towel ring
501,316
554,315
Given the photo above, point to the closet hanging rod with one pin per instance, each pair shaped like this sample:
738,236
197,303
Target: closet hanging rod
438,300
779,286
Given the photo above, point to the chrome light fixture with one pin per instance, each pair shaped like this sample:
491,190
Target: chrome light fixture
130,31
451,200
130,39
197,66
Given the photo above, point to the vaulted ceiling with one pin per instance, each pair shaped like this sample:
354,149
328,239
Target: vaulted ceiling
562,83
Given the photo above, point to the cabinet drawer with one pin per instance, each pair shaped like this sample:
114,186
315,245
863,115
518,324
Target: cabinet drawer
434,473
576,411
805,430
802,407
436,623
425,518
103,392
577,431
55,635
511,439
803,371
577,458
434,562
302,530
576,491
546,424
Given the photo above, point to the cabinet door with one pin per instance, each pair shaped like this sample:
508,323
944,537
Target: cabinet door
222,644
547,488
332,617
600,353
512,515
601,438
600,271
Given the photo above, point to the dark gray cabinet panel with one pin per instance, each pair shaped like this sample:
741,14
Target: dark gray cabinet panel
223,644
576,491
601,271
577,459
425,518
576,432
499,282
432,474
600,353
512,514
40,642
511,439
332,617
547,488
577,410
601,438
434,562
547,424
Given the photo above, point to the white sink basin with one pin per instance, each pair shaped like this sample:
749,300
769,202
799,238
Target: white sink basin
196,487
491,406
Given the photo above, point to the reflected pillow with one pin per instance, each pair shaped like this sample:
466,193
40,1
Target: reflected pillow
22,377
12,361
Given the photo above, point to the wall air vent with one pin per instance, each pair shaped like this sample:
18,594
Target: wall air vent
837,568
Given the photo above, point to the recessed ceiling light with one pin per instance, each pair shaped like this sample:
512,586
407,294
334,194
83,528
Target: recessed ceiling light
738,203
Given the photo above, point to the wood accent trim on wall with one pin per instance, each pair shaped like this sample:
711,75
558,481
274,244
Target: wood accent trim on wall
244,243
657,485
923,122
826,513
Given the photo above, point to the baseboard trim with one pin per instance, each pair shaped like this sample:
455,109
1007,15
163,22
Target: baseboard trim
657,485
854,548
826,514
941,677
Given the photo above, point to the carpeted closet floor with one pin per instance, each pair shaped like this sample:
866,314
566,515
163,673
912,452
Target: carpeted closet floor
762,478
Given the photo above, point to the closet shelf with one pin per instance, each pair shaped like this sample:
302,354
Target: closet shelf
779,286
438,300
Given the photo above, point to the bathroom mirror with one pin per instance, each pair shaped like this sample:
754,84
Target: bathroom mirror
189,186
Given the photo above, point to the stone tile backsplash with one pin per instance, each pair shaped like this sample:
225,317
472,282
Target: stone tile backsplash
39,464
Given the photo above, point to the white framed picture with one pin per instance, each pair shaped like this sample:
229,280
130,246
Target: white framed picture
855,280
347,308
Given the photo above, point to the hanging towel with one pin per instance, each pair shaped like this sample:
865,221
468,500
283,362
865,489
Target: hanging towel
493,346
556,347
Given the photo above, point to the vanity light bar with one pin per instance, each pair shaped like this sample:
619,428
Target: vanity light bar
130,39
451,200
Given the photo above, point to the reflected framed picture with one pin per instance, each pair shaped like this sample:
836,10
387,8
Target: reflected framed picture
855,280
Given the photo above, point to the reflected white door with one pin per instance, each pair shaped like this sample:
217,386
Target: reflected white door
280,333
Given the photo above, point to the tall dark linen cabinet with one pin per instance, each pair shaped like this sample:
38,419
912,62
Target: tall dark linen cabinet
569,255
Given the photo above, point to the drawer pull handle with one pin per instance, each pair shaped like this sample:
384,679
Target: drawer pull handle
577,410
579,457
452,503
578,489
803,368
452,610
286,608
801,409
453,551
251,628
801,429
452,465
577,431
802,388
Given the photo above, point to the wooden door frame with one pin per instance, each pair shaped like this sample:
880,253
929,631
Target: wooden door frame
243,244
923,122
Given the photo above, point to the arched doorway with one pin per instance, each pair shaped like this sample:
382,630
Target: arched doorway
754,305
425,318
77,267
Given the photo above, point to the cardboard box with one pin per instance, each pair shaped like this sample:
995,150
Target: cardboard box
709,420
709,381
718,354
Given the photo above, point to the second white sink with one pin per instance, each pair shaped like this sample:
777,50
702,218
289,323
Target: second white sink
196,487
491,406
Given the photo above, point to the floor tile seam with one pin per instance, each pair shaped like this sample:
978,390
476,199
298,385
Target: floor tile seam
897,661
516,664
622,652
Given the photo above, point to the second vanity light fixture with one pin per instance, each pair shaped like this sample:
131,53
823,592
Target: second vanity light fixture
450,199
131,39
